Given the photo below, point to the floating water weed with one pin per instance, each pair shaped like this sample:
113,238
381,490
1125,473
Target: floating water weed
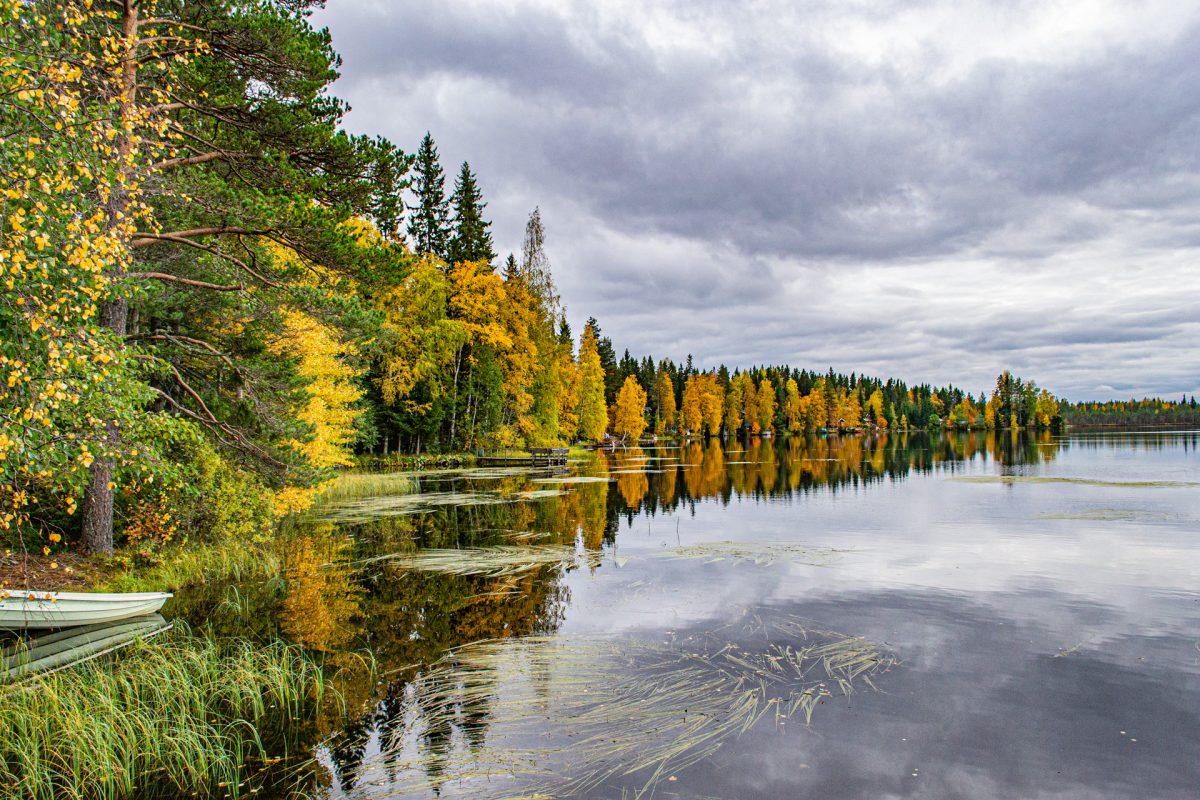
1012,479
567,715
493,562
178,715
1115,515
371,508
757,552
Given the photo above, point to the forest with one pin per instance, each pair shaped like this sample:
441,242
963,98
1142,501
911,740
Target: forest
214,297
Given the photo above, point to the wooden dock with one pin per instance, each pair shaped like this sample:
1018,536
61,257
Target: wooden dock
538,457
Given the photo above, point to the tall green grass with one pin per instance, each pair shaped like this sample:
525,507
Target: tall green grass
358,485
178,715
229,561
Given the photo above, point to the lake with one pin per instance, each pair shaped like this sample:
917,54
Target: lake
972,615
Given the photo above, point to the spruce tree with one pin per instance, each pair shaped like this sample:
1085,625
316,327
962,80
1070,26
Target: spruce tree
429,225
470,240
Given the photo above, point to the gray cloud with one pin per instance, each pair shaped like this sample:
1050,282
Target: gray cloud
823,183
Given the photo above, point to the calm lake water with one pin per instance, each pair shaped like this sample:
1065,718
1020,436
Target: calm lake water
974,616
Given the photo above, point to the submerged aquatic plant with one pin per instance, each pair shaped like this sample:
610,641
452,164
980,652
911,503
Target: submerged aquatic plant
180,715
564,716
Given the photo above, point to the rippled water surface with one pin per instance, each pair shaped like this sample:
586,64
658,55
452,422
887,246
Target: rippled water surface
975,616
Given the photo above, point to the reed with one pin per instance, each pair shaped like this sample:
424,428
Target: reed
180,715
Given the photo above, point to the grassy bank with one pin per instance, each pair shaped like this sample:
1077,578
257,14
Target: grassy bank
178,715
229,561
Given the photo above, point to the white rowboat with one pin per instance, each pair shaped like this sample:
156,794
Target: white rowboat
24,609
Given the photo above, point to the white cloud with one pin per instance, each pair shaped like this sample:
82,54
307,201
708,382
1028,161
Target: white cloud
933,191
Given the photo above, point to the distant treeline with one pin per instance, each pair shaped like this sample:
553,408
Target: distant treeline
681,399
1148,412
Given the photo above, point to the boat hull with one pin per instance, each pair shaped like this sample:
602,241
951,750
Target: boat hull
49,652
27,610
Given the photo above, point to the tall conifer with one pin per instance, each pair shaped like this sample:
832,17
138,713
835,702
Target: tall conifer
471,240
429,223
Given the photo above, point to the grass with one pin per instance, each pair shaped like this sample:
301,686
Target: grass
182,714
568,715
228,561
358,485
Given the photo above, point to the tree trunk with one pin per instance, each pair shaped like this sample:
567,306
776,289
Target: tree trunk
471,405
97,508
454,402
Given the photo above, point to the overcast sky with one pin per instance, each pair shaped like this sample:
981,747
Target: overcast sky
927,190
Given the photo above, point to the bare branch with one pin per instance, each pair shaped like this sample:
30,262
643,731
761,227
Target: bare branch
198,159
146,238
162,276
166,337
232,259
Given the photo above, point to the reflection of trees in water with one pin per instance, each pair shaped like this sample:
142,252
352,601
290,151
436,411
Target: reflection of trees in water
765,467
322,601
409,619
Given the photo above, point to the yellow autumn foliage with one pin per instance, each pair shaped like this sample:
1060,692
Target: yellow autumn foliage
332,406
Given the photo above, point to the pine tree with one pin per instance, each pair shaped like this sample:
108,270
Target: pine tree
608,362
429,225
470,240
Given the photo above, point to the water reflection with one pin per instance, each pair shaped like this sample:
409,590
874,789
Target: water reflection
975,584
660,480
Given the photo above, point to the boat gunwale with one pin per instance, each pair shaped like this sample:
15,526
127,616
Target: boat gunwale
34,595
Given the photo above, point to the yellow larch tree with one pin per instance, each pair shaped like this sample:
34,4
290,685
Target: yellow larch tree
331,393
630,418
593,414
691,413
766,404
793,410
712,403
664,397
